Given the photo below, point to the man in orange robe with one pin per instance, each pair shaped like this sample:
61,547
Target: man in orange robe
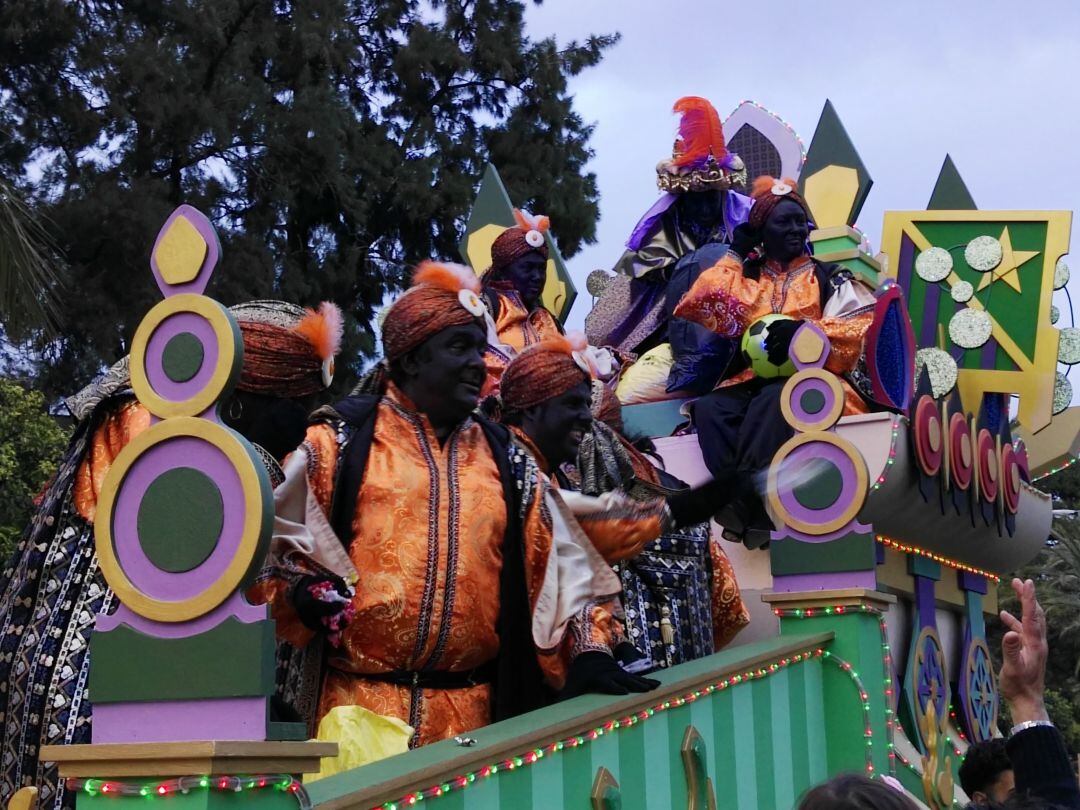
512,289
768,270
474,598
547,401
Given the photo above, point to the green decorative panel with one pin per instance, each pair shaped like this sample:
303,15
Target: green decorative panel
852,552
132,666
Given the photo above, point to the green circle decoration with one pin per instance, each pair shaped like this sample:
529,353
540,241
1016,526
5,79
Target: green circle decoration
182,357
813,402
180,519
823,489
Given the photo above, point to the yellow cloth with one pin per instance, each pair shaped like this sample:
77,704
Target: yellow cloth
646,380
362,737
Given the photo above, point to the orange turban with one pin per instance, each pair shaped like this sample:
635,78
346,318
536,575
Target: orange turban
768,192
543,371
442,295
513,243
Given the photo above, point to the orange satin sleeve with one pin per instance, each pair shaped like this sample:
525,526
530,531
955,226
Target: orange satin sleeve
110,437
721,299
846,337
729,613
320,443
621,533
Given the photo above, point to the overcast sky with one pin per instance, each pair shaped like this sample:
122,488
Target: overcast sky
992,83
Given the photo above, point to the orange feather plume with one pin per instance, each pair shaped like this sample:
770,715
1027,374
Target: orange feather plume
763,184
448,276
323,329
700,131
530,222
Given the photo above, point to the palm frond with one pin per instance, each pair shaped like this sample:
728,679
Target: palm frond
30,269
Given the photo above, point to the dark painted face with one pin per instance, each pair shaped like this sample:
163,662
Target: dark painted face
443,375
528,273
705,209
558,425
785,232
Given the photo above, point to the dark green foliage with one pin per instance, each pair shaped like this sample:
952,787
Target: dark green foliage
30,446
333,143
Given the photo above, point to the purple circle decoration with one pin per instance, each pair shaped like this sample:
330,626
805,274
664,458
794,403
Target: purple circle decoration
820,419
174,325
793,467
197,454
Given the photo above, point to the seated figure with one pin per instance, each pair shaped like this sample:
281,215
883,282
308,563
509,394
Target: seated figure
769,271
698,208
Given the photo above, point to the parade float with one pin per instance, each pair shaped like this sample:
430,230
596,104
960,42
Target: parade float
866,651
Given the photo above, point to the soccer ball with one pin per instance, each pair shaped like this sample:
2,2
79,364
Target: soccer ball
753,349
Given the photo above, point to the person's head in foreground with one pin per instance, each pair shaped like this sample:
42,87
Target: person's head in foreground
546,391
779,218
434,340
853,791
986,774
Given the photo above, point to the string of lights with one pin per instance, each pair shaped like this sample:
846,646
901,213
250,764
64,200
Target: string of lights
531,757
188,784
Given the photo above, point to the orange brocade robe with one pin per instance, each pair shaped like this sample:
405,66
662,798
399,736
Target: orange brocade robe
426,544
727,302
516,328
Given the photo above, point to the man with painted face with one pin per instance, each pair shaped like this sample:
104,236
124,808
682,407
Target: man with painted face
699,208
473,600
547,401
768,270
512,287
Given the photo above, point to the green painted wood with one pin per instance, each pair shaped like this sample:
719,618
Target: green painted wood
131,666
831,146
797,713
950,191
199,799
817,754
578,775
852,552
725,773
182,357
922,567
633,768
658,774
783,740
973,612
677,722
516,788
823,247
366,787
605,752
180,519
823,489
765,742
287,731
746,756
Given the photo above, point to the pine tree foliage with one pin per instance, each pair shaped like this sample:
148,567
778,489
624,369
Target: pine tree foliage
334,143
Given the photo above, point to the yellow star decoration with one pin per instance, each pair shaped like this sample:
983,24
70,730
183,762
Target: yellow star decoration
1009,269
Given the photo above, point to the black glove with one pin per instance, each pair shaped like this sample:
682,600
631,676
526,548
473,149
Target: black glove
745,239
689,507
310,608
595,671
778,340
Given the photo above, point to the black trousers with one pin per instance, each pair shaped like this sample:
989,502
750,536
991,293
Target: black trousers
741,427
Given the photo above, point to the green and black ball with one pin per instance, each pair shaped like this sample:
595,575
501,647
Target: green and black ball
755,354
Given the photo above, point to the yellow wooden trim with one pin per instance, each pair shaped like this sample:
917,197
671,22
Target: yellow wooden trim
158,610
228,363
827,418
853,508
